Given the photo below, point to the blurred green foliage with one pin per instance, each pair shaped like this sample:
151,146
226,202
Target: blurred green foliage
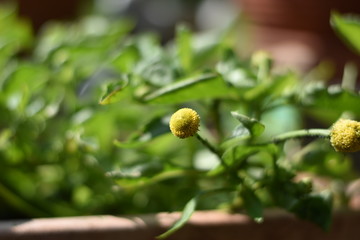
84,124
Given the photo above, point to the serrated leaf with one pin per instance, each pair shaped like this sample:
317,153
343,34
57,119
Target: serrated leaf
115,91
255,127
154,128
199,87
348,28
186,214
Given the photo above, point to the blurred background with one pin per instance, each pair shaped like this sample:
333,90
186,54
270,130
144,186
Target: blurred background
296,32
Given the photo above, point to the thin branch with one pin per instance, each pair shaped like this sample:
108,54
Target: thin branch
324,133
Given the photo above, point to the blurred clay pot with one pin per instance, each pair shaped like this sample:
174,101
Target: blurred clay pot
297,31
297,14
209,225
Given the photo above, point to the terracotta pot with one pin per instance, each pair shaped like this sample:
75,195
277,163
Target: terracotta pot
209,225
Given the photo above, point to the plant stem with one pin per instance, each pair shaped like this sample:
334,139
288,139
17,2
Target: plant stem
208,145
211,148
302,133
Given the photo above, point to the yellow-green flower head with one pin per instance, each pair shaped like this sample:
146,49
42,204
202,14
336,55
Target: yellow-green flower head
184,123
345,135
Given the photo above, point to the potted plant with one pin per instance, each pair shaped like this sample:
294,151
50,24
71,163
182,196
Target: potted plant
189,125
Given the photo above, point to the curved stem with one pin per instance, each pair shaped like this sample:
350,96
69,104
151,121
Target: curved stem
302,133
208,145
211,148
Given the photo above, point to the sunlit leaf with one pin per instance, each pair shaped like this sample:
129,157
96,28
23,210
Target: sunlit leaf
255,127
234,72
154,128
115,91
29,76
186,214
157,72
329,104
236,140
348,28
235,156
200,87
126,59
209,46
5,137
15,34
273,88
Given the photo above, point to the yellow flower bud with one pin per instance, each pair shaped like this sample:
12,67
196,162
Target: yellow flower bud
184,123
345,135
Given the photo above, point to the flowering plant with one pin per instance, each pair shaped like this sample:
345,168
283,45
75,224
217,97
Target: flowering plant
240,129
251,122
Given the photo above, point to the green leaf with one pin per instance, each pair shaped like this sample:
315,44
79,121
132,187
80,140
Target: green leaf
199,87
157,72
209,47
237,140
154,128
27,76
255,127
236,153
236,157
348,28
316,208
252,204
5,137
126,59
15,33
234,71
115,91
186,214
329,104
262,62
233,157
274,88
184,49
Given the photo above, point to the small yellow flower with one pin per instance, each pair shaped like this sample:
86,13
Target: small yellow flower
184,123
345,135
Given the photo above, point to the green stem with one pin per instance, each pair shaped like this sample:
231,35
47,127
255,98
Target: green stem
302,133
208,145
211,148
